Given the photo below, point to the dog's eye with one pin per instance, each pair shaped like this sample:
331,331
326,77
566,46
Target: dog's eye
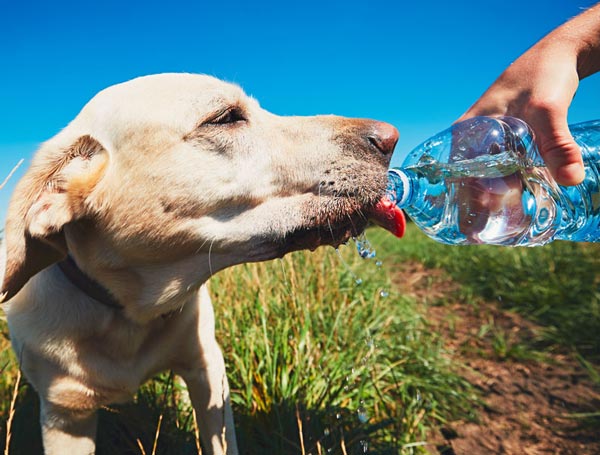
230,116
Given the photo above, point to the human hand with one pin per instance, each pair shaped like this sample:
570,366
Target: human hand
538,88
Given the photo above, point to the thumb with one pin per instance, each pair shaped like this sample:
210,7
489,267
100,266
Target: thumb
560,152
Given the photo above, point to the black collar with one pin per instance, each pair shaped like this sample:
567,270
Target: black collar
87,285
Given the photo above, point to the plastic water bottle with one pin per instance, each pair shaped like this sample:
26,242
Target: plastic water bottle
484,181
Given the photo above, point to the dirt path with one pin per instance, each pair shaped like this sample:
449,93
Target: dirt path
529,405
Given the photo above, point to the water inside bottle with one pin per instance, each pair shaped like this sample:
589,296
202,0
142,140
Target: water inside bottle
492,199
484,166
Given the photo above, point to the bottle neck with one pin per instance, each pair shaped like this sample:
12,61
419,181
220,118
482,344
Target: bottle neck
399,187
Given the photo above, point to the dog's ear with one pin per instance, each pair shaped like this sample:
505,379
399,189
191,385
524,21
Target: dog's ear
51,194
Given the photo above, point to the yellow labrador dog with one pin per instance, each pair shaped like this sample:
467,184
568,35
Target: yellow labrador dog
122,217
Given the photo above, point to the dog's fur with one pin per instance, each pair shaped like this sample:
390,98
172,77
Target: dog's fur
157,184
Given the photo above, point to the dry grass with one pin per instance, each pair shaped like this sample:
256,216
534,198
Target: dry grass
11,173
160,419
11,413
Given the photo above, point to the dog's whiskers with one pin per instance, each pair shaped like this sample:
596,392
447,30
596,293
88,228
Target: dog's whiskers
319,209
210,269
199,249
330,230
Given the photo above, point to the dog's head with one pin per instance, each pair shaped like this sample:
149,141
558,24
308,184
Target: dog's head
176,165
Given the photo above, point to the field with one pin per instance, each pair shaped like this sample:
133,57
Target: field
423,349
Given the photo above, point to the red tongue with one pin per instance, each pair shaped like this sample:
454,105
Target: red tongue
387,215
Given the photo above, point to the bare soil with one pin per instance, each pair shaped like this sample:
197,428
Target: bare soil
529,406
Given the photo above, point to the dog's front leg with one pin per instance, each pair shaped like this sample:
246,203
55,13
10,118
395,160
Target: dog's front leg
209,392
207,383
67,432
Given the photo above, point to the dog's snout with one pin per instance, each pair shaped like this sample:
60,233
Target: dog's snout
383,137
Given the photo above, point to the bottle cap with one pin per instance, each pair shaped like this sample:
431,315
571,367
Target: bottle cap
399,186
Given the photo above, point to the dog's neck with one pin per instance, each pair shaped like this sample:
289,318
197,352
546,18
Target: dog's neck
143,293
87,285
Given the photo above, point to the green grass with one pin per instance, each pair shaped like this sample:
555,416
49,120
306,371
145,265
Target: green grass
358,367
557,286
355,366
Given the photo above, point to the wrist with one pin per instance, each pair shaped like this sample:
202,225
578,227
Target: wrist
588,60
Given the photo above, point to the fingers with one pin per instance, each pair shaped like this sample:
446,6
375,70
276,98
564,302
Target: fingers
559,150
564,162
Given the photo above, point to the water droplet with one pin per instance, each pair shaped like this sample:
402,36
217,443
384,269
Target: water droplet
384,294
379,263
365,446
338,416
326,431
358,281
364,247
365,252
361,413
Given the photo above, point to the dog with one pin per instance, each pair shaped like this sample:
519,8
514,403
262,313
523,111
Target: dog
121,218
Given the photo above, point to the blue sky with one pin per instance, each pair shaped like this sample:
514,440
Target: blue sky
417,65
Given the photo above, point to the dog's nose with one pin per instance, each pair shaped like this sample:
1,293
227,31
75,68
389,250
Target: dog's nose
383,137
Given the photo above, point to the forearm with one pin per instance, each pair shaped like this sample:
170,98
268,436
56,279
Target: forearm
582,34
